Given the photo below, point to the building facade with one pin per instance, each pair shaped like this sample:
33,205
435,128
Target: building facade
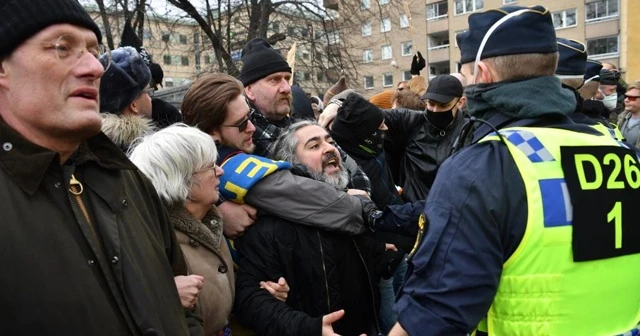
607,28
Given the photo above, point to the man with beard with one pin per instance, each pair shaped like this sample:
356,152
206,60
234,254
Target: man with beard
333,278
265,75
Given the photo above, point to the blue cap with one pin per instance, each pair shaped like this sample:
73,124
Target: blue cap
592,70
573,59
530,32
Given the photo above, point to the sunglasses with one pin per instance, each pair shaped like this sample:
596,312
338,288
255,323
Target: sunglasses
242,125
632,98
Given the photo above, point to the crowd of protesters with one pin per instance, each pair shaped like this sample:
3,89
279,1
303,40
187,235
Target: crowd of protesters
495,201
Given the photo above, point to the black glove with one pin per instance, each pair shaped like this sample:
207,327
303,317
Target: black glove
370,213
417,64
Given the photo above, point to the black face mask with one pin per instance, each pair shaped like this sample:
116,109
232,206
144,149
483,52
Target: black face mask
441,119
374,143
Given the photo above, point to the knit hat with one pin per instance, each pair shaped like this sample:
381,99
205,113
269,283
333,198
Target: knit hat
338,87
572,60
357,117
21,19
382,99
529,32
259,60
123,81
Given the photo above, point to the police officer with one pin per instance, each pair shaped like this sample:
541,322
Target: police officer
531,229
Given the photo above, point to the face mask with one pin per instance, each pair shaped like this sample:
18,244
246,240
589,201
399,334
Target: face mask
374,143
440,119
610,101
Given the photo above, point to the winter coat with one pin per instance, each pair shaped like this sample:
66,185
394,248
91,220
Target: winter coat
124,129
623,119
100,263
415,150
207,254
325,271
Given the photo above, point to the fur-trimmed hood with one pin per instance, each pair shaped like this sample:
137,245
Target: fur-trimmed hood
124,129
209,234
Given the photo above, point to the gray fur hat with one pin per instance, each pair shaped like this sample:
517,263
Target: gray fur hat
127,76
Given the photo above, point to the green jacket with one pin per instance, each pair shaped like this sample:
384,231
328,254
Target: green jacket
58,277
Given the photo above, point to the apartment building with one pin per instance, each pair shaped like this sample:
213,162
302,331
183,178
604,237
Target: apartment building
184,51
602,24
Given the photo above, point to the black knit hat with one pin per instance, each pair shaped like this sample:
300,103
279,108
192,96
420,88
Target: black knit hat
357,116
259,60
123,81
22,19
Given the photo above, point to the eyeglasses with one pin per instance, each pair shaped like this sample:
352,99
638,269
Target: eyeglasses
67,46
212,166
150,91
632,98
242,125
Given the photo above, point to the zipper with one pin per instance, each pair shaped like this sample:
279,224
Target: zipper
324,269
76,189
373,295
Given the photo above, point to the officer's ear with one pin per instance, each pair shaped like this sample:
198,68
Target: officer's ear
486,73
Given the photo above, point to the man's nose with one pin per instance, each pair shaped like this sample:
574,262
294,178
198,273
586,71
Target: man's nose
284,86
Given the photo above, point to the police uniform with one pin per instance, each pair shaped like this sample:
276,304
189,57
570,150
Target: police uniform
531,229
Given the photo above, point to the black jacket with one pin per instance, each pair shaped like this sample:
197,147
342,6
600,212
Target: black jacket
58,278
415,150
326,272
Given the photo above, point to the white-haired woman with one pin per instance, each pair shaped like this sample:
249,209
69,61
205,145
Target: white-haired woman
180,161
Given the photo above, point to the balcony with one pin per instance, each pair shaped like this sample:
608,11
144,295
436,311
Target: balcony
438,24
438,53
602,28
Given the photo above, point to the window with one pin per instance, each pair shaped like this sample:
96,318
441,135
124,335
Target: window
383,2
386,52
275,26
466,6
437,10
366,29
166,59
507,2
406,75
564,19
166,37
365,4
333,37
184,60
305,54
387,79
183,39
407,48
385,25
438,41
367,56
604,47
207,59
196,38
404,21
291,31
168,82
368,82
601,10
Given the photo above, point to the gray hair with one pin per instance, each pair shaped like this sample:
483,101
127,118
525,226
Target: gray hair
284,148
171,157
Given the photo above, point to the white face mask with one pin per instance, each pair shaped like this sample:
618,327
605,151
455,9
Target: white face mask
610,101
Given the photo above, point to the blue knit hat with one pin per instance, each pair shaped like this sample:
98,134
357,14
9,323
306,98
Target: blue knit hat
592,71
573,59
530,31
123,81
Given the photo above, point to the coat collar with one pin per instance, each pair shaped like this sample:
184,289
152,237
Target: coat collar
27,163
209,234
124,129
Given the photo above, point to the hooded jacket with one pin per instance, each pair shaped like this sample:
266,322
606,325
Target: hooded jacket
123,130
99,263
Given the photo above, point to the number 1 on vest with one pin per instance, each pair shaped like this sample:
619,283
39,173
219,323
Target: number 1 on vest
616,215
